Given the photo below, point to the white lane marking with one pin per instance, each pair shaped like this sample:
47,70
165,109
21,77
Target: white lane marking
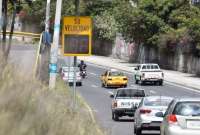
152,91
133,85
184,87
94,86
93,74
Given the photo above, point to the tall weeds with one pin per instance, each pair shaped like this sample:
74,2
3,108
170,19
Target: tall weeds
27,107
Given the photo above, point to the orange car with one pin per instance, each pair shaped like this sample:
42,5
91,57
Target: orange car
114,78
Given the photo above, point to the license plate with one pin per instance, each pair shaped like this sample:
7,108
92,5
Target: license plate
155,124
193,124
125,103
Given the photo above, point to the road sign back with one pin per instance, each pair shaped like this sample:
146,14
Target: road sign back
77,36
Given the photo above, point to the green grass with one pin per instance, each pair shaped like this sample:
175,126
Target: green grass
28,107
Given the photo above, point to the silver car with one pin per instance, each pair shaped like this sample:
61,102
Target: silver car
67,74
182,117
146,117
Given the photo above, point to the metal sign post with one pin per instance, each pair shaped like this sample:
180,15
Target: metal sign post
76,40
75,58
74,83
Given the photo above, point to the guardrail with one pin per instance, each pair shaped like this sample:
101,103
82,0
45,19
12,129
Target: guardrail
23,34
37,56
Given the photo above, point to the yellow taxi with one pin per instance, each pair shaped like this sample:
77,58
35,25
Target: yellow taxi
114,78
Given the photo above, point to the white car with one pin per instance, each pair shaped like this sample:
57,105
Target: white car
149,73
146,115
125,102
67,74
182,117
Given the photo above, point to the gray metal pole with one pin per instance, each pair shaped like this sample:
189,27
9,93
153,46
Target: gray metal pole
69,65
74,84
47,16
75,58
54,46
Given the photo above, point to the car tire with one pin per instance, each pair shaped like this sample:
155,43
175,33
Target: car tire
134,129
80,83
161,82
136,81
138,131
125,85
141,82
115,117
102,85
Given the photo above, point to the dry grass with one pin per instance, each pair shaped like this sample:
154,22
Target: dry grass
27,107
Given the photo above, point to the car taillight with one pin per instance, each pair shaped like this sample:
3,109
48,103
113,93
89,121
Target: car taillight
115,104
144,111
172,118
125,79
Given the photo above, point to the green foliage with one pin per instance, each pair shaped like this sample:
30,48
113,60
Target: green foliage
165,23
143,21
105,26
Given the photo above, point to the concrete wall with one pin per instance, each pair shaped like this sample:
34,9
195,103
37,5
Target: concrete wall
102,47
122,49
177,60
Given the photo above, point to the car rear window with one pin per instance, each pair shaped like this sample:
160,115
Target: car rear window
150,67
130,93
187,109
116,74
157,102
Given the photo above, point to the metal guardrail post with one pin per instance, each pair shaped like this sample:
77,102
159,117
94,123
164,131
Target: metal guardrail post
37,56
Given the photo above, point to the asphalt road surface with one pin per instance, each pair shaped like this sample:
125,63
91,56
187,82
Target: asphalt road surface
100,102
23,57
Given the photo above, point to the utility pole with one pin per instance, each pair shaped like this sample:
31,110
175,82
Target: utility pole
47,16
54,46
43,68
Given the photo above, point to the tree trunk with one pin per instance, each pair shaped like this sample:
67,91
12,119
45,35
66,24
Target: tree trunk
4,26
11,33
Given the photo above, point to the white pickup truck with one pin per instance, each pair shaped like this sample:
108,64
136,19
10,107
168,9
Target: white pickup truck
148,73
125,102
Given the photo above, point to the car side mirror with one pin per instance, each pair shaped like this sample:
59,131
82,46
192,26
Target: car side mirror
159,114
111,96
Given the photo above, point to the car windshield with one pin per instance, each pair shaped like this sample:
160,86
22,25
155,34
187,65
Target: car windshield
187,109
130,93
156,102
116,74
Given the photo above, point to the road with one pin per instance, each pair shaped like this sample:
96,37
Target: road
98,97
23,57
100,102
